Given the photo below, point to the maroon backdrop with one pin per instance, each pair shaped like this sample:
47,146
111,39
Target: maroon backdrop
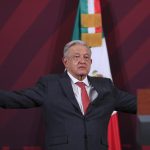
32,36
126,26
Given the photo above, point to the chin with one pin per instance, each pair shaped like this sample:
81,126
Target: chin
83,73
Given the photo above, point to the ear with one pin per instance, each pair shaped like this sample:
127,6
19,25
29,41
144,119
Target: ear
91,61
64,60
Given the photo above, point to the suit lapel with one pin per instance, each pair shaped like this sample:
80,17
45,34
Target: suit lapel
67,89
100,88
97,86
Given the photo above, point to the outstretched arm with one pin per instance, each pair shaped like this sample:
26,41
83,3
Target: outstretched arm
125,101
27,98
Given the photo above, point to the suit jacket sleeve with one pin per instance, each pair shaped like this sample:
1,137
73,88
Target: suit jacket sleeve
27,98
125,102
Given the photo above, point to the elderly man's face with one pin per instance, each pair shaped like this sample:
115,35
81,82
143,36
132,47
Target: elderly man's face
78,61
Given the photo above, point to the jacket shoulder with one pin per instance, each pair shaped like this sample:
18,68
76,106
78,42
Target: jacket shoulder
102,84
48,78
100,79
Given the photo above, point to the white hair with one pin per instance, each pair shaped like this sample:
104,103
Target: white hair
74,42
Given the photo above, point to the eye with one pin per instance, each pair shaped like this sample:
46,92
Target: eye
77,56
86,57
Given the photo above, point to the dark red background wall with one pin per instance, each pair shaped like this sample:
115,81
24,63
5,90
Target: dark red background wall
126,26
32,36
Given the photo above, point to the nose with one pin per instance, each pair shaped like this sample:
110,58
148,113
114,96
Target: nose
82,60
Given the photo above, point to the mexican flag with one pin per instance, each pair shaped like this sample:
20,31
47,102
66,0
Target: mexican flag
88,27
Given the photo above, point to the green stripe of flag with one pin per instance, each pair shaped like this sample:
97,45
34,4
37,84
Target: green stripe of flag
84,30
84,6
77,32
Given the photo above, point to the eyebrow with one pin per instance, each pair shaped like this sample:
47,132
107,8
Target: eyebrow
76,53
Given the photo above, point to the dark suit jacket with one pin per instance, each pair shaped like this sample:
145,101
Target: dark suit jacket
66,127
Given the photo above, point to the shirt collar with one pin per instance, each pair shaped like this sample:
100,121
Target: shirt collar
74,80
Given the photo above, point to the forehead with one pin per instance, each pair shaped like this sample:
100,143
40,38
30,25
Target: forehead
78,48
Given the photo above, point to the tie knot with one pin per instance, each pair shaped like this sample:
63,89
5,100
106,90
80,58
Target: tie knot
80,84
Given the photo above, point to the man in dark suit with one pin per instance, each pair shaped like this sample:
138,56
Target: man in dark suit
76,117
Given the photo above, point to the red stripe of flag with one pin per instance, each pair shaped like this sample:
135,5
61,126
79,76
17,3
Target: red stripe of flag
97,9
97,6
113,129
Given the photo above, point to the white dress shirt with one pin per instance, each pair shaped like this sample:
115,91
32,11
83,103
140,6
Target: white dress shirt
92,93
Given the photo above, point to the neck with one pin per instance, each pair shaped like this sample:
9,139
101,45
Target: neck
80,78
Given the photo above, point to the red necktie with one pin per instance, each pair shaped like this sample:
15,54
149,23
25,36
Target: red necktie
84,95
